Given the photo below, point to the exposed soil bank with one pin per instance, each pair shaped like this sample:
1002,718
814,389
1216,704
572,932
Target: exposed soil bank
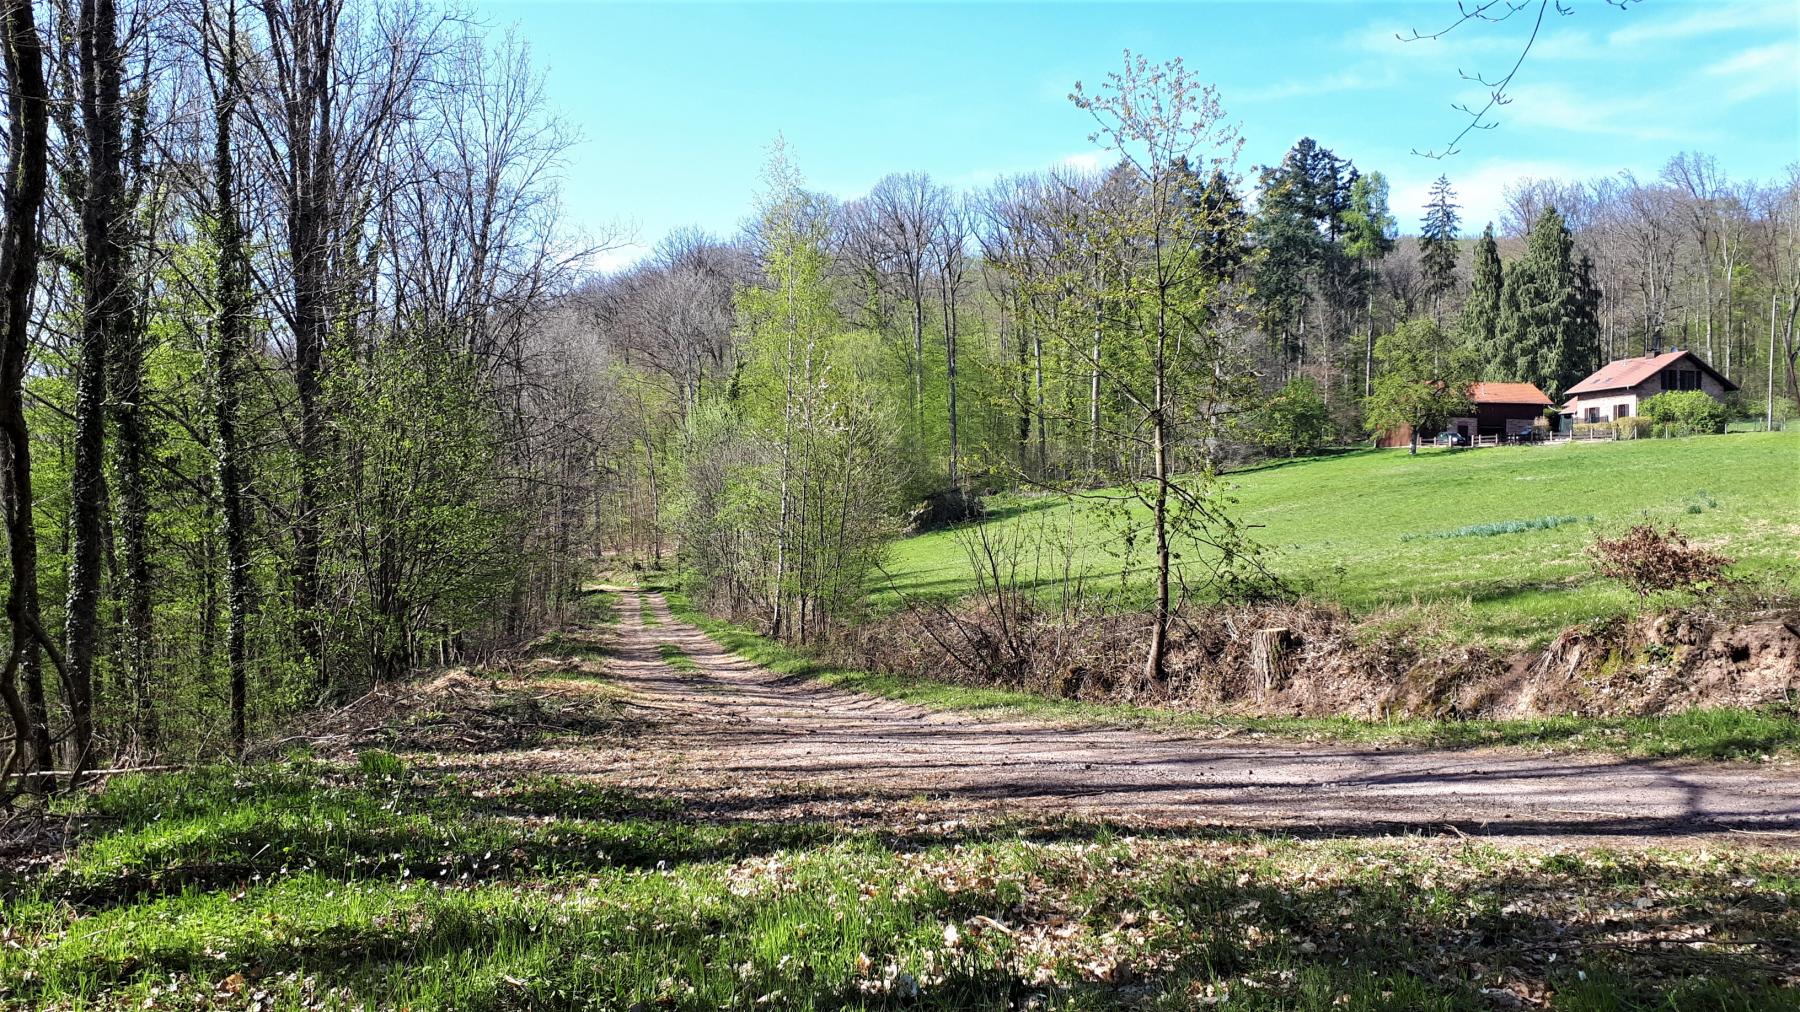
753,742
1307,661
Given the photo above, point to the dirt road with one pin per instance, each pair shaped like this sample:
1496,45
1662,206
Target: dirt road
759,741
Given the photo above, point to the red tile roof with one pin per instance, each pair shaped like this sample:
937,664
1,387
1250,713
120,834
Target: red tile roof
1624,373
1507,393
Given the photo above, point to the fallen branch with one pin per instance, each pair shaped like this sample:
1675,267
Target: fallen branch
117,770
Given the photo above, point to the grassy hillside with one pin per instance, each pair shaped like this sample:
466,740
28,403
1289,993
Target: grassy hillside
1494,535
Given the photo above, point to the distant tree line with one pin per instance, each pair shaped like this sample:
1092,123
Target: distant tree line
1018,334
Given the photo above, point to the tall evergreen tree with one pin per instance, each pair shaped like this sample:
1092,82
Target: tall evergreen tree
1581,353
1437,242
1301,216
1546,336
1481,312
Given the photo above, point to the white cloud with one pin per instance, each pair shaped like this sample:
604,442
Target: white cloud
1592,112
617,258
1481,191
1759,70
1651,25
1088,161
1350,80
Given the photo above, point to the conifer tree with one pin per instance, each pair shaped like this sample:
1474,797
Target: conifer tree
1481,312
1545,336
1437,242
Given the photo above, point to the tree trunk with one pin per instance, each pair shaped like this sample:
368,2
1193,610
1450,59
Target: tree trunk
28,104
1159,449
231,282
950,371
1769,407
103,311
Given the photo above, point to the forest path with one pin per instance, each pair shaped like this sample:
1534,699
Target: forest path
751,742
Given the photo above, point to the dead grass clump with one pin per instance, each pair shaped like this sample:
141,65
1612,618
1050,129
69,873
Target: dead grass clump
1652,561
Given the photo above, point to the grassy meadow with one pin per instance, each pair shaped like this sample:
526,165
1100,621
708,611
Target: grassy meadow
1494,535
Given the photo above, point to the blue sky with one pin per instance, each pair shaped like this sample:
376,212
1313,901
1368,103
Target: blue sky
676,103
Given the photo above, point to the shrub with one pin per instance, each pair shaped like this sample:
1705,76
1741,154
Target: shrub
1294,421
1586,430
1631,427
1695,410
1648,560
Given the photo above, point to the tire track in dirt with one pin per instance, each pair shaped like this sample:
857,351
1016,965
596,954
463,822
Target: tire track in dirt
731,722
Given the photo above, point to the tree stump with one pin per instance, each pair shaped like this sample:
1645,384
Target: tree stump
1270,650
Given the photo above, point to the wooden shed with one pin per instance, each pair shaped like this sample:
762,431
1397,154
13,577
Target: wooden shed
1501,411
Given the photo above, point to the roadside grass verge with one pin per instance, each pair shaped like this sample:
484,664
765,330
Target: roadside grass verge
595,621
1719,733
302,884
677,658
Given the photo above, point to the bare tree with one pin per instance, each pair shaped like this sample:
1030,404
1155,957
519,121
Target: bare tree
905,209
1171,133
338,81
949,252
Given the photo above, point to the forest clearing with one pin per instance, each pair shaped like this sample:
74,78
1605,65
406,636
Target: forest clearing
625,506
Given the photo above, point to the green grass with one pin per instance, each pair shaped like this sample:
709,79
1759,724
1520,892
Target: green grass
677,658
308,885
600,607
1356,528
1721,733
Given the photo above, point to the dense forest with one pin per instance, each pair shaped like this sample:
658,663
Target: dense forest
305,386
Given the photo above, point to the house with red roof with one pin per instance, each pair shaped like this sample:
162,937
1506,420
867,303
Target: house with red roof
1616,390
1502,410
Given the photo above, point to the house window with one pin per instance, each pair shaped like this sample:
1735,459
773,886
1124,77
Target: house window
1593,414
1680,379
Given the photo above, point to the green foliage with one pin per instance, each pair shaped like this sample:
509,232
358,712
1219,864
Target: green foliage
1294,421
783,495
1437,238
1481,312
1548,332
1300,216
427,536
1424,379
376,764
1694,411
1369,228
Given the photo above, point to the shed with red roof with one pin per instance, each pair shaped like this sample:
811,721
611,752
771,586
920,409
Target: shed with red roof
1503,410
